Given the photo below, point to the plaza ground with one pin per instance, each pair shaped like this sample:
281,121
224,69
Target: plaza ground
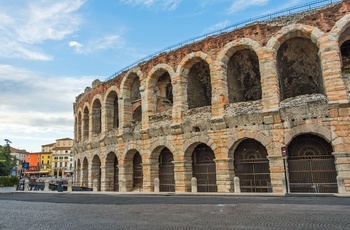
53,210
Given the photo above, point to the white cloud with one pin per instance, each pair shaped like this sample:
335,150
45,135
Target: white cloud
33,22
167,5
76,45
32,104
218,26
103,43
238,5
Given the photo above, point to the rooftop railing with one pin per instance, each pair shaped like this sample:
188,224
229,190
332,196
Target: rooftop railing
285,12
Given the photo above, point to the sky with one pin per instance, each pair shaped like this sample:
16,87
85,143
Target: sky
50,50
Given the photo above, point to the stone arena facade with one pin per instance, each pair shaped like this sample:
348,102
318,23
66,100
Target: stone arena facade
223,109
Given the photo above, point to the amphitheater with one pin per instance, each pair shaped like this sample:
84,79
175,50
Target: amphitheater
263,108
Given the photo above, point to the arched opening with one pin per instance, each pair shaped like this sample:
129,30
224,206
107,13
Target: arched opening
112,172
137,172
199,85
137,115
166,171
299,68
164,93
96,117
79,127
311,165
135,97
345,53
252,166
243,77
86,123
112,110
96,171
344,43
204,168
85,171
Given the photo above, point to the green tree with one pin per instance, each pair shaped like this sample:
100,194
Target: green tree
6,159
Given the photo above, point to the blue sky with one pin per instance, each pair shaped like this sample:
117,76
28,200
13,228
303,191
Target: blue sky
51,50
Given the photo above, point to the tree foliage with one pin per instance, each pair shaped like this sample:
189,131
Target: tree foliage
6,160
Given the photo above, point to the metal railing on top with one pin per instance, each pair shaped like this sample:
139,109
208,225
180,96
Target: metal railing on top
285,12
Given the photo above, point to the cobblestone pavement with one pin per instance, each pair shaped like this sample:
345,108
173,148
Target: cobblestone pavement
63,211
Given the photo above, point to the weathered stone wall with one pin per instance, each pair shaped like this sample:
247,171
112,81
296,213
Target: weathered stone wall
240,102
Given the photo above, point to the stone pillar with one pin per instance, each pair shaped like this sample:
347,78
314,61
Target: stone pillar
341,184
147,106
224,174
156,185
125,179
70,186
183,175
47,183
194,185
95,185
123,185
105,117
276,173
331,65
81,176
150,172
237,185
180,98
90,176
220,97
269,80
342,165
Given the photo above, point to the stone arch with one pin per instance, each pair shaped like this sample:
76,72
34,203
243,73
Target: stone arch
299,66
112,172
234,140
159,88
133,170
194,64
191,143
111,105
341,34
324,132
311,165
96,115
130,96
251,166
339,28
86,122
203,167
96,170
85,172
162,166
157,147
243,80
292,31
